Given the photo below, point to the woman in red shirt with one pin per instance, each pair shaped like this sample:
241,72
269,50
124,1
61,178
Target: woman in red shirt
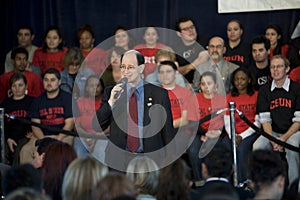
245,98
87,107
51,54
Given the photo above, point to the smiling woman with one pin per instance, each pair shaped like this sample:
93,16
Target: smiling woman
50,55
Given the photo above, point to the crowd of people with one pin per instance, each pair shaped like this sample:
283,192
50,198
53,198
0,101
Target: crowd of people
127,122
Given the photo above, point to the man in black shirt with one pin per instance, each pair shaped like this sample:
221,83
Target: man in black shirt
278,106
260,69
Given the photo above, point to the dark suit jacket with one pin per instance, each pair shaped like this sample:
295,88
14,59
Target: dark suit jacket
217,190
156,131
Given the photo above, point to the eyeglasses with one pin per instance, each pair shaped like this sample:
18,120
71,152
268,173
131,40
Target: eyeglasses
276,66
128,67
217,46
192,27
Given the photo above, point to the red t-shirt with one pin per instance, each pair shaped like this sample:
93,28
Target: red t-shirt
208,106
46,60
96,60
149,55
34,84
247,105
295,74
284,51
87,108
180,98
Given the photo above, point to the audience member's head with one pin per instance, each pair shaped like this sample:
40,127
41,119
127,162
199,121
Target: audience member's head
115,185
114,57
24,175
39,152
72,60
26,194
123,38
86,37
19,50
274,33
53,32
25,35
267,171
236,27
52,71
174,181
260,49
165,53
58,156
218,163
243,75
143,172
81,179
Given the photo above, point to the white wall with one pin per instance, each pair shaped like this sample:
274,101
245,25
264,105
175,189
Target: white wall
230,6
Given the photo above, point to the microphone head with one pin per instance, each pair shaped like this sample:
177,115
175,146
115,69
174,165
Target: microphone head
123,80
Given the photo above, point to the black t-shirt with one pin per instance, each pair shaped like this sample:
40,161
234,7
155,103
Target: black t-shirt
239,55
52,112
15,129
260,76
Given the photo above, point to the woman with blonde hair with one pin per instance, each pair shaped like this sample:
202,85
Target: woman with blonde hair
143,172
81,178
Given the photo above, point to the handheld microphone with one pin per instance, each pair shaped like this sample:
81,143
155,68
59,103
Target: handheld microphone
123,82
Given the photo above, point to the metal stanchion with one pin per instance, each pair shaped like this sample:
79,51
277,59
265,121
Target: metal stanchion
233,139
2,135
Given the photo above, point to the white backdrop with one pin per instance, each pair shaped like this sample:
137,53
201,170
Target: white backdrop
230,6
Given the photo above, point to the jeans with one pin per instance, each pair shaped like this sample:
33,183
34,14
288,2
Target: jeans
243,151
195,161
291,156
80,147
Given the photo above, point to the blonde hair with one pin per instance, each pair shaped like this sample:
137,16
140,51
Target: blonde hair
73,56
81,178
165,51
143,172
285,60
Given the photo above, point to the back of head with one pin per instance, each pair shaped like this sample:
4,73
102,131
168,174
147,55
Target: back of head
41,144
174,181
265,166
143,172
219,162
114,185
22,176
26,194
58,156
81,178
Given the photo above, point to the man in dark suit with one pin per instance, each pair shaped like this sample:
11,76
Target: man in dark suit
217,170
155,126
